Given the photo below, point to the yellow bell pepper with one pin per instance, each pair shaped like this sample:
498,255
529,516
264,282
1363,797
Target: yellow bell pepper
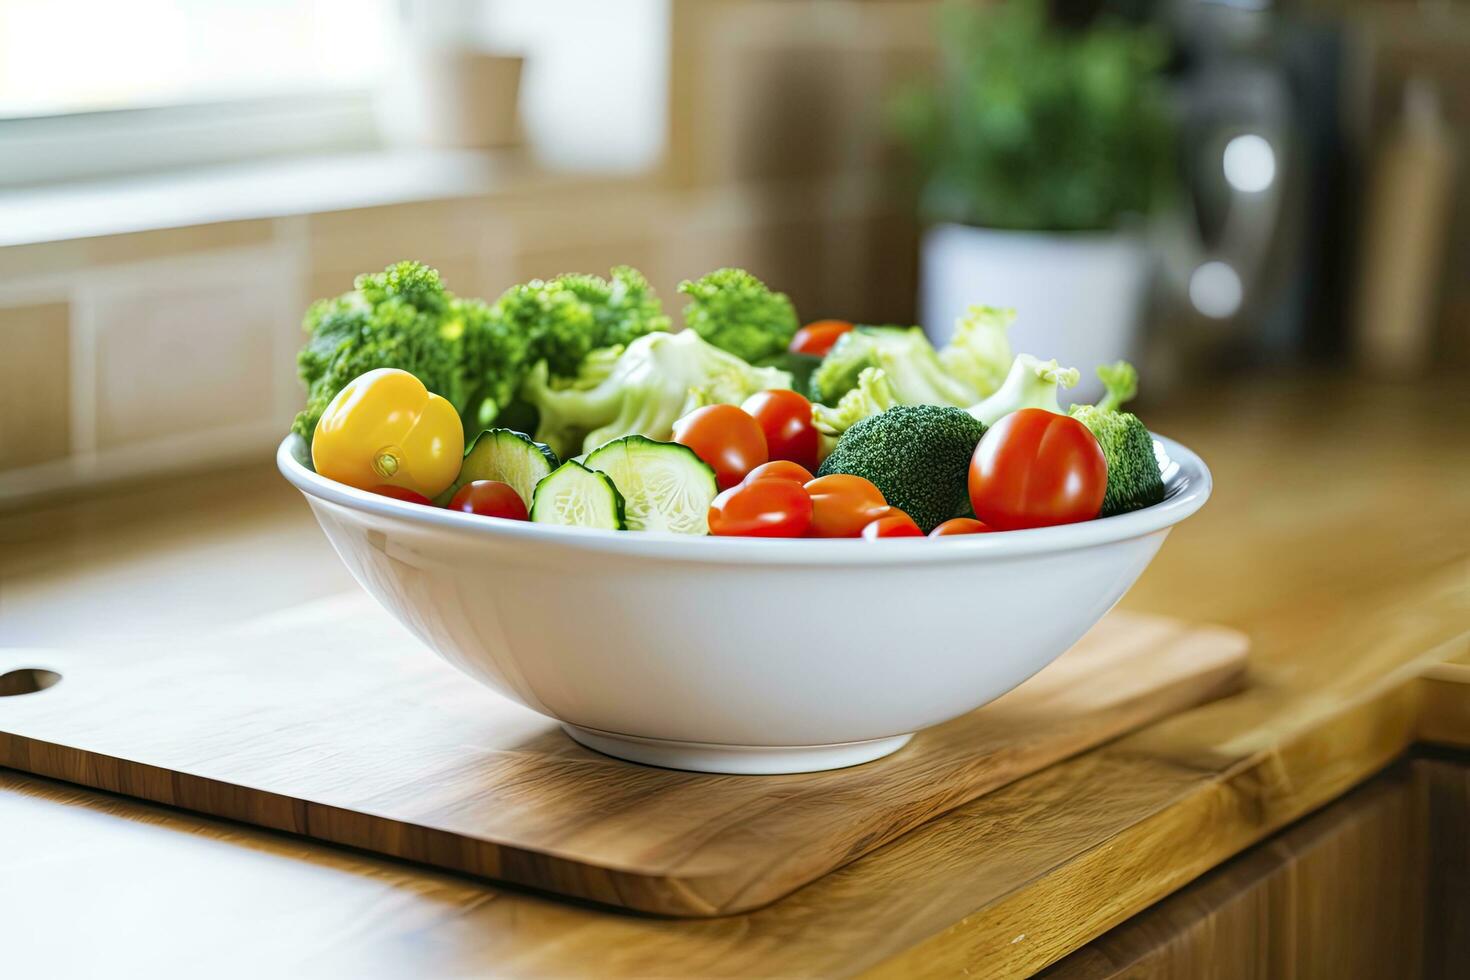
386,428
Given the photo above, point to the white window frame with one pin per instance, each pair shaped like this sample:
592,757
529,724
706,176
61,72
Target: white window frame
86,145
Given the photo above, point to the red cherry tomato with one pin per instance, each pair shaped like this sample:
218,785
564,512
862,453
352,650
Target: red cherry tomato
894,524
842,505
1036,468
490,498
959,525
817,338
786,419
403,493
762,509
726,438
780,469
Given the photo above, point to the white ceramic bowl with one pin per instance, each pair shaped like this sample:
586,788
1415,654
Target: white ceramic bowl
741,655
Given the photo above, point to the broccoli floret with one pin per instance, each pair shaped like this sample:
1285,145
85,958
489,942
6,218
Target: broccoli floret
905,355
558,325
496,352
734,310
653,382
559,321
633,309
392,319
979,353
413,282
918,455
623,308
474,354
1031,383
1134,478
873,395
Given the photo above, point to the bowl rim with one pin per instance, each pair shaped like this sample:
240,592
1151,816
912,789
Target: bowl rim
1187,482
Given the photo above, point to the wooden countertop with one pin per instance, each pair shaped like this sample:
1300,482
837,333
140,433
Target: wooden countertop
1339,539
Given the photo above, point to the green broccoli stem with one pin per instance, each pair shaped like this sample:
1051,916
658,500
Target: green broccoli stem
873,395
1120,380
1031,383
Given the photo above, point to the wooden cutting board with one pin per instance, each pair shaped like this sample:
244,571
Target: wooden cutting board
330,721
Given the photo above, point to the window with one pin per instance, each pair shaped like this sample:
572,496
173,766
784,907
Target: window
97,87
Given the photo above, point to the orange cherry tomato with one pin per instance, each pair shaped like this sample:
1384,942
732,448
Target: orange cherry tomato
818,337
780,469
786,419
490,498
772,508
727,438
842,505
402,493
1036,468
959,525
894,524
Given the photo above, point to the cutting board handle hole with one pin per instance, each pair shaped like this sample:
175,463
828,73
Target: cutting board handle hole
27,680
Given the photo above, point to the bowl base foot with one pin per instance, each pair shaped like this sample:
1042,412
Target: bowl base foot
741,760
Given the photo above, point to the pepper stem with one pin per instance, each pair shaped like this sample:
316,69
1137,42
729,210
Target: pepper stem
386,461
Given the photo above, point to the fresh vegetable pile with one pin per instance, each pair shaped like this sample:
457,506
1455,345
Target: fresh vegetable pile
744,424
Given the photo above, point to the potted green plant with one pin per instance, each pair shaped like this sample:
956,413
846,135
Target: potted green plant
1041,149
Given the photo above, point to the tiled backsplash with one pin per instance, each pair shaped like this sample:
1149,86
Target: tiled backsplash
187,347
133,353
141,352
35,384
157,351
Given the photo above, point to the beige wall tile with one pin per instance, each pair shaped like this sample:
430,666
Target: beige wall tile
782,254
690,253
766,89
362,223
837,254
35,387
457,237
174,359
594,257
52,258
591,229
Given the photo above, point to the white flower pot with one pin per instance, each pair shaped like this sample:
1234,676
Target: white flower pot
1078,296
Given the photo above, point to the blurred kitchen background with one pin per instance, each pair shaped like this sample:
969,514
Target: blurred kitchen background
1207,187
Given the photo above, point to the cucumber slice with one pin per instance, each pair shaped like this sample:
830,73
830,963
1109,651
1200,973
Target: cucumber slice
666,486
508,456
575,496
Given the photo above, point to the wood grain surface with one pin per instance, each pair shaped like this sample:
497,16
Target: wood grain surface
330,721
1338,539
1375,885
1445,786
